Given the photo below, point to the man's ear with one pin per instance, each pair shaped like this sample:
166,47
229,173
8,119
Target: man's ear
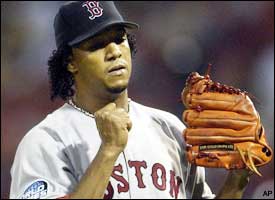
72,68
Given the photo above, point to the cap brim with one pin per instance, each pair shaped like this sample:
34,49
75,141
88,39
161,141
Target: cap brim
126,24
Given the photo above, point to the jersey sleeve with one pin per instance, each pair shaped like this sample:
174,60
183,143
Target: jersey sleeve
41,169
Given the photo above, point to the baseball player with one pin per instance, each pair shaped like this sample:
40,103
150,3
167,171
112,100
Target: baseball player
100,143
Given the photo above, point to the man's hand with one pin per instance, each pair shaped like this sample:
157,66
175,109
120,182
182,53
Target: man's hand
113,125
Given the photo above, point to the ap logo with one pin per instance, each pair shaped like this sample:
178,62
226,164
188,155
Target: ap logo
93,8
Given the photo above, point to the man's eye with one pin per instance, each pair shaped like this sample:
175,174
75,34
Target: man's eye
100,45
96,46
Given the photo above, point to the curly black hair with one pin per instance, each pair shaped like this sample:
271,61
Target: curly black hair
61,80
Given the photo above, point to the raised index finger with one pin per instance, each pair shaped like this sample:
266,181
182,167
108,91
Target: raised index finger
108,107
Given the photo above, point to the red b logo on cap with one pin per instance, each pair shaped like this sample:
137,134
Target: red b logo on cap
93,8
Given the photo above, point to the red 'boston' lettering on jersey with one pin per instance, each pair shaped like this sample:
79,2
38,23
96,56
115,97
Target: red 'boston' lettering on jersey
174,187
155,176
125,187
138,165
110,192
158,178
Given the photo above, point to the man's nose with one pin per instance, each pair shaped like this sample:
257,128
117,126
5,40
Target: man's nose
113,51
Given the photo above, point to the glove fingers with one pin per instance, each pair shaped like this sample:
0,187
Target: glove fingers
197,136
221,101
217,119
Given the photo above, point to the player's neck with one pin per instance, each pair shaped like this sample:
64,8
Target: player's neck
93,103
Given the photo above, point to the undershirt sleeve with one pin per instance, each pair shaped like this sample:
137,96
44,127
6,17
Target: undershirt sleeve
201,189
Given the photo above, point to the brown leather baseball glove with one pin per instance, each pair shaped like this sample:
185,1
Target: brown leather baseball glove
223,128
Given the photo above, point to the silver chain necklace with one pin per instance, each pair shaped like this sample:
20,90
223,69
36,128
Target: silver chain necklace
70,102
80,109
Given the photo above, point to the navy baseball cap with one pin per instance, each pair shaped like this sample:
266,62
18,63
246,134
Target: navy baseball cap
79,20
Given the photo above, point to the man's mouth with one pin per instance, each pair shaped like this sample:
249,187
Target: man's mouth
117,70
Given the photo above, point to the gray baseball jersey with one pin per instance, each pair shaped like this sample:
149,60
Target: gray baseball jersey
53,156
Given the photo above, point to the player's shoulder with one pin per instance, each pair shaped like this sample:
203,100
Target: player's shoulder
157,114
47,129
55,119
151,110
169,123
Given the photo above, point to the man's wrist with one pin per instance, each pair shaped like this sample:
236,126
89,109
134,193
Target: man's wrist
239,178
108,152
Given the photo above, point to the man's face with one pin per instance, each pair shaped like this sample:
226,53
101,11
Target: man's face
103,63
